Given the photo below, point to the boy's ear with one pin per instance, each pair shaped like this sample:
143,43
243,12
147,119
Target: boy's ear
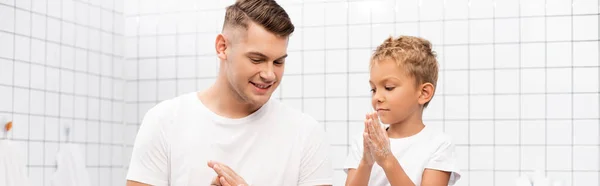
426,93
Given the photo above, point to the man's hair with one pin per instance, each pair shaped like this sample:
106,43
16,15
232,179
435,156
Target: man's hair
412,54
266,13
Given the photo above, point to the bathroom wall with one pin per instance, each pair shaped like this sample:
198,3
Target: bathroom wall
61,67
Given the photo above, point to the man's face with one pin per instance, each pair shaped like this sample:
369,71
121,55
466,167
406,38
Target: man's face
254,63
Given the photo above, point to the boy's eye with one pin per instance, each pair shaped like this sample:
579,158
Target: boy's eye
373,90
389,88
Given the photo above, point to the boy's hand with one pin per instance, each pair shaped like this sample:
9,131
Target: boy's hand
367,158
226,176
377,140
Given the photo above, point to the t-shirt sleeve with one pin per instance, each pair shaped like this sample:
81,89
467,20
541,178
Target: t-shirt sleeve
445,159
354,154
315,166
149,160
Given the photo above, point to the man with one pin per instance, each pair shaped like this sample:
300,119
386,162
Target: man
233,133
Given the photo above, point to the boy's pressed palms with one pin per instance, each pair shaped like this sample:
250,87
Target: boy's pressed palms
377,140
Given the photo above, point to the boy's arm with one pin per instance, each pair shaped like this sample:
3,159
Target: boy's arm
359,176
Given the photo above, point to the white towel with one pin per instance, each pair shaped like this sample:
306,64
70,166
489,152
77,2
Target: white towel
12,165
70,169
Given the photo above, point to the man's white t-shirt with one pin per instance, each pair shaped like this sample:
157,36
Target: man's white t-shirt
428,149
276,145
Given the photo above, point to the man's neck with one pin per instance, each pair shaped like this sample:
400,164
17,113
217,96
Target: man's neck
224,102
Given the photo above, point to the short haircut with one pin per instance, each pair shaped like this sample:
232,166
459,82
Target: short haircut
412,54
266,13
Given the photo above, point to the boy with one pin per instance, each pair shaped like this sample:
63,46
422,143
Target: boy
403,76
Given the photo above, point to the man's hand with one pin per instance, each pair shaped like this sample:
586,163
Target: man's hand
226,176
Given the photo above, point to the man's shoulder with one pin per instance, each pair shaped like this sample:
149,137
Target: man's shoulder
169,106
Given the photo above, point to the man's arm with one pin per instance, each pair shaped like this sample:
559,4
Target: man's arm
316,167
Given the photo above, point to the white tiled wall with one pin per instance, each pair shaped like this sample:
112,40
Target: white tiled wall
60,66
518,87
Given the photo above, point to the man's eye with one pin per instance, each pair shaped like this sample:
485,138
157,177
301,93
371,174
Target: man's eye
256,60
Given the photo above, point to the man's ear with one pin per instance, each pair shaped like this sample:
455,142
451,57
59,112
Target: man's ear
426,93
221,46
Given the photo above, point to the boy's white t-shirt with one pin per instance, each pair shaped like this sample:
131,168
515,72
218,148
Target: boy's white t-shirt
428,149
276,145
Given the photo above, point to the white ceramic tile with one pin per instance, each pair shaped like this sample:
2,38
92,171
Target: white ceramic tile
559,132
532,7
22,48
314,38
6,96
336,14
532,29
411,29
167,45
481,57
359,12
456,107
6,71
359,60
585,106
67,81
533,80
481,132
506,158
186,44
559,106
289,86
38,6
335,61
458,130
38,26
51,104
506,106
314,107
584,54
585,80
80,107
481,9
23,24
456,32
536,156
50,149
166,89
533,132
481,31
481,82
506,8
66,105
585,178
585,158
533,106
558,28
558,7
336,109
482,107
559,158
51,124
559,54
456,81
381,32
585,27
166,68
506,81
92,158
359,36
506,132
36,127
314,62
52,81
21,74
94,85
360,106
313,14
407,10
147,47
336,85
207,67
314,86
38,47
359,85
431,10
186,86
506,56
7,17
585,132
432,31
131,109
149,6
147,91
186,67
36,153
131,47
457,57
21,100
456,9
559,80
93,108
336,131
293,63
584,7
532,55
480,157
383,11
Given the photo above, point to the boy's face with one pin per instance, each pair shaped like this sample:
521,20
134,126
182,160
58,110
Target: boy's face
395,96
254,63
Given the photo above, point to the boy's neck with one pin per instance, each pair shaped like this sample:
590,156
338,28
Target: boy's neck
409,127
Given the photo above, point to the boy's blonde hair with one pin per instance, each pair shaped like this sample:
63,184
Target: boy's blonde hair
413,54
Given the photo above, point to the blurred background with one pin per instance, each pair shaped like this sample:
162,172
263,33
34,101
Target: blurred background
518,86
